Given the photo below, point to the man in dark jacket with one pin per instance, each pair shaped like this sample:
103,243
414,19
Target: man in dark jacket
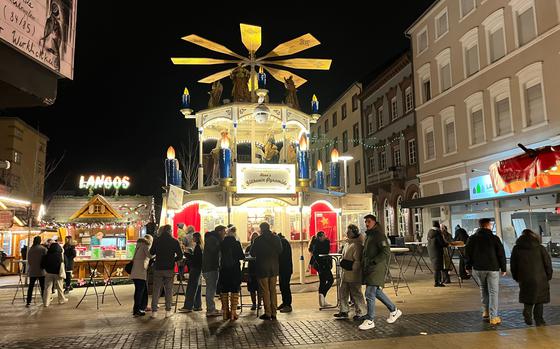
461,235
211,267
266,249
285,275
436,244
485,254
323,264
69,255
34,270
375,260
51,262
167,251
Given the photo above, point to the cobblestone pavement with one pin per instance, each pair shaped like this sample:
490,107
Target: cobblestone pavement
284,333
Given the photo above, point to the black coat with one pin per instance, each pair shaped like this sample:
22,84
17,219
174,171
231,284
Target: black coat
230,269
531,267
285,258
52,260
321,248
69,255
266,249
461,235
484,251
436,244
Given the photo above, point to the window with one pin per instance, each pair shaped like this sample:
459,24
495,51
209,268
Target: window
422,40
476,119
495,36
345,141
448,125
388,217
375,210
397,156
532,95
394,111
379,118
469,43
408,99
334,119
401,217
467,6
444,66
326,126
417,219
343,111
429,139
357,173
427,90
425,85
356,135
412,151
370,123
524,21
355,103
371,164
382,160
442,25
17,157
335,143
501,108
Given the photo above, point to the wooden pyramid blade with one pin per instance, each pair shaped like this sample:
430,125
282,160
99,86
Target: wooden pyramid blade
293,46
201,61
215,77
251,36
304,63
200,41
280,75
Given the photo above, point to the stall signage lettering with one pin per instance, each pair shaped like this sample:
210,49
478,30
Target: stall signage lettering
266,179
481,188
106,182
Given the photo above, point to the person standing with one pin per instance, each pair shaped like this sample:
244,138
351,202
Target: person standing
139,274
375,259
193,297
285,271
52,263
266,249
252,280
531,267
351,285
462,236
34,270
69,255
211,266
167,251
23,252
447,252
323,265
436,244
486,257
230,275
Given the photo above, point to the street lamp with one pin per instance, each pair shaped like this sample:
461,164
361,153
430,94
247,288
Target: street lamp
345,159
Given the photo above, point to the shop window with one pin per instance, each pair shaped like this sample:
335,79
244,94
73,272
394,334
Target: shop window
388,217
401,217
417,220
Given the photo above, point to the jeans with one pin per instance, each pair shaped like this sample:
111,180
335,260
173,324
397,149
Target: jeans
284,280
32,279
268,288
353,290
373,292
489,282
326,280
193,297
53,280
163,278
211,279
140,295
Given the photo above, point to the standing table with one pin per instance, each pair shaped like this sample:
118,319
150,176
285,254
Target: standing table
418,256
93,266
337,258
21,284
400,277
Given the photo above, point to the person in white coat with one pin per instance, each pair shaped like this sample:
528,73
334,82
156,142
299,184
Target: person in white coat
139,274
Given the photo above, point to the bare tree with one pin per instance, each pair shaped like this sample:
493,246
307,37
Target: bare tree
188,162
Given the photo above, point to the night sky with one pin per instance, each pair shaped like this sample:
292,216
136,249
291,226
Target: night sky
121,111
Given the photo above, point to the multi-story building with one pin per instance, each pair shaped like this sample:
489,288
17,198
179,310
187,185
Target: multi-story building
25,148
340,127
486,78
390,154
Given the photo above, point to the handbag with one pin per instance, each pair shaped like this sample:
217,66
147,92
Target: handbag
62,271
129,265
346,264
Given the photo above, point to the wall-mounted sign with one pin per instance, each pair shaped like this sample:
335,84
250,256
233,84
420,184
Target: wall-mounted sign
104,182
361,203
266,178
44,30
481,188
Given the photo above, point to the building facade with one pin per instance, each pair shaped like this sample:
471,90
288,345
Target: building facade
390,155
340,127
486,79
26,149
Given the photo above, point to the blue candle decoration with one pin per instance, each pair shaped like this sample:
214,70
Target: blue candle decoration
335,169
186,99
303,158
319,176
262,78
314,105
171,167
225,159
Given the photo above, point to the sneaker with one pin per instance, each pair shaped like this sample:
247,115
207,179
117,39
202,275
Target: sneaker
264,317
495,321
341,316
439,285
154,314
213,313
393,316
65,300
286,309
168,313
185,310
367,325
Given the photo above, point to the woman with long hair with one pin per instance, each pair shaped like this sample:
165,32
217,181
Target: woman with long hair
193,298
139,274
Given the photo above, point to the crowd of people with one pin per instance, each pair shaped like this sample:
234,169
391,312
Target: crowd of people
218,258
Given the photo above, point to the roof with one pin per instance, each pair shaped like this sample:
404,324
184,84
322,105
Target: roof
62,208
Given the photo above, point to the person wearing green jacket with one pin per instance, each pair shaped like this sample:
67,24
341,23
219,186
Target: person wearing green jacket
375,260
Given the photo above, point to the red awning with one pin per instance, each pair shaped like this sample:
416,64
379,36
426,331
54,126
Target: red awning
536,168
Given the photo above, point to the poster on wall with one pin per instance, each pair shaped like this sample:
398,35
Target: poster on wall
327,223
43,30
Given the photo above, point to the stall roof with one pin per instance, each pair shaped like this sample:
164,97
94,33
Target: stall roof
456,197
